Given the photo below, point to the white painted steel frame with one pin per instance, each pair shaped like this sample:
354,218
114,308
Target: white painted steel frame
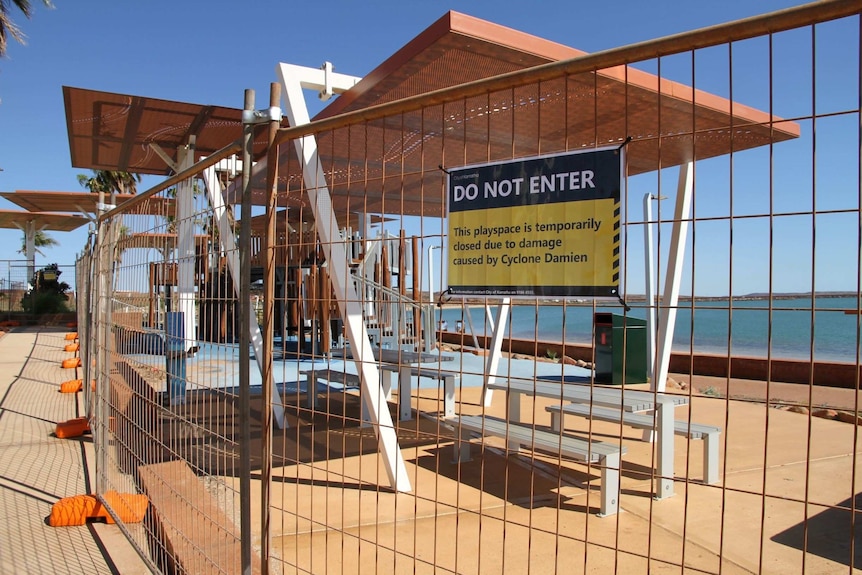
649,268
29,229
294,79
496,353
676,257
186,245
228,244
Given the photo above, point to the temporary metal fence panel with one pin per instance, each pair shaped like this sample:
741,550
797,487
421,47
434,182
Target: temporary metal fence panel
742,179
16,279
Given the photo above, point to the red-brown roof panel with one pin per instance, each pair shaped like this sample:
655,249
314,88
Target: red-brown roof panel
14,219
109,131
42,201
389,165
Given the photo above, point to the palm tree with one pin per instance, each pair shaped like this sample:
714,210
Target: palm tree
7,27
42,240
108,181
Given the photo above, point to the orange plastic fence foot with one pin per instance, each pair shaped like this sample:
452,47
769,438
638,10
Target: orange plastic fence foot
75,510
71,336
72,347
72,510
72,428
129,507
71,362
72,386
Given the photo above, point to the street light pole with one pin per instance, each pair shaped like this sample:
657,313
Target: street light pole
431,273
649,265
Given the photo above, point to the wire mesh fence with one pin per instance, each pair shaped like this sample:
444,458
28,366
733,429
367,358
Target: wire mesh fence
19,278
298,384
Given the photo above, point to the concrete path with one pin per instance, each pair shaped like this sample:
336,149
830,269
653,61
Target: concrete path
37,469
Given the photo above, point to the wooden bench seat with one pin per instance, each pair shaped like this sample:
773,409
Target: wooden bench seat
312,376
197,535
605,455
695,431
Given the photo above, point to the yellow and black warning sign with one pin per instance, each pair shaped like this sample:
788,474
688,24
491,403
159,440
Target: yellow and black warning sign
544,226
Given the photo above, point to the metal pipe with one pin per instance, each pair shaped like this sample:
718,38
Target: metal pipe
649,265
268,325
104,333
244,343
431,274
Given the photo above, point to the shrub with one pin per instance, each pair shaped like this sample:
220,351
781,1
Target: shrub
48,294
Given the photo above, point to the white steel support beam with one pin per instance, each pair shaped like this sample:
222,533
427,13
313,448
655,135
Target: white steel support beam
186,245
166,158
228,244
496,350
294,79
676,257
667,319
649,268
322,79
29,229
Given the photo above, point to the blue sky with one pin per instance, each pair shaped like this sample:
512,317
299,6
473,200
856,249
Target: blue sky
209,52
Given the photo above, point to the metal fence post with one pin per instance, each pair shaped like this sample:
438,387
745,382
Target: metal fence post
244,340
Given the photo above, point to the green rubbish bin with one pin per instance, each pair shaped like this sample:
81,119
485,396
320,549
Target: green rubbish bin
620,342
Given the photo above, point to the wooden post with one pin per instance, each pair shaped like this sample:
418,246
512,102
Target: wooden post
314,309
152,315
402,249
386,276
325,290
300,308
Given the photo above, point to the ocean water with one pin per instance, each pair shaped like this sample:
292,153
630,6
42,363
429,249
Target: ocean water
799,328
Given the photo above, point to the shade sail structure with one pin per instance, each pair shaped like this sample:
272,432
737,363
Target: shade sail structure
86,202
109,131
390,165
15,219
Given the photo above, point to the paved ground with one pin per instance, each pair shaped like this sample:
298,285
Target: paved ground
37,469
782,505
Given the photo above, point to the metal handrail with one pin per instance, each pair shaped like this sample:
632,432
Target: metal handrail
395,314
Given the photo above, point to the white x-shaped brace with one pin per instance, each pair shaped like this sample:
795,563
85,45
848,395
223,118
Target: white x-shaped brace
294,79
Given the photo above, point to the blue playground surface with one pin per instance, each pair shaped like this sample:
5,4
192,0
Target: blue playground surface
216,366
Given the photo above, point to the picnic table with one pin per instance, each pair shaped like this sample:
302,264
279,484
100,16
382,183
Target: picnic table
619,399
406,364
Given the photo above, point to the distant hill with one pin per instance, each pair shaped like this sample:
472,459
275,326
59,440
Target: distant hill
753,296
795,295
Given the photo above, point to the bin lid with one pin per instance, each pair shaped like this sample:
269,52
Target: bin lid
618,320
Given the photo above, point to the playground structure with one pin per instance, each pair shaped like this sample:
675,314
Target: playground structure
305,306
